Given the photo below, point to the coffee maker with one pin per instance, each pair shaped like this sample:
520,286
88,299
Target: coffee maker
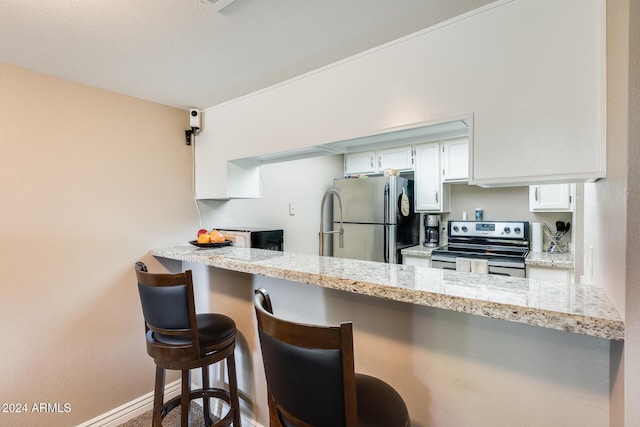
432,230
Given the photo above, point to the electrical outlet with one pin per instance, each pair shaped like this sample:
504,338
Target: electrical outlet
292,208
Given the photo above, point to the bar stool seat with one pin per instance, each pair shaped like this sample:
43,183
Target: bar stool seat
179,339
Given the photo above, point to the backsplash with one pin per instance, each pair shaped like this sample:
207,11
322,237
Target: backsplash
498,204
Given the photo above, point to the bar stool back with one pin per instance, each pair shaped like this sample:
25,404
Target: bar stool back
311,380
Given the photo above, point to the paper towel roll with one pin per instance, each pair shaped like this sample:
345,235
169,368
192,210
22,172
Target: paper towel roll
536,237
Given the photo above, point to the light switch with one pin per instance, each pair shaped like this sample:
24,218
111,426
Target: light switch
292,208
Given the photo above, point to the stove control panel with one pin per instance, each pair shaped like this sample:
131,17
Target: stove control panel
493,229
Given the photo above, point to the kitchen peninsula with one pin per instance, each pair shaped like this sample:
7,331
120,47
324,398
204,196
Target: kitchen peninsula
583,309
439,337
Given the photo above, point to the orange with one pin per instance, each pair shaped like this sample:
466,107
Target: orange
204,238
216,236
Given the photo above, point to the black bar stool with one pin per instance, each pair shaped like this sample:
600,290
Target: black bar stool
311,380
180,339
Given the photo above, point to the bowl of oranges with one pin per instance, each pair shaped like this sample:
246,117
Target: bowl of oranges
210,239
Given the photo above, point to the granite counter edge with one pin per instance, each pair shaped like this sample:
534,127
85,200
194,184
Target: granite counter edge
580,324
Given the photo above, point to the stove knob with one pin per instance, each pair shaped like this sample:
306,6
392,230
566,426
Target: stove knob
464,228
517,230
507,230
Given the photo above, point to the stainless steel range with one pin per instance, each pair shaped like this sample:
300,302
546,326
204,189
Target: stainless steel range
504,244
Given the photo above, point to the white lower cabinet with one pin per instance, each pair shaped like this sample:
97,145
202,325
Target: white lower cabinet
430,193
417,261
551,197
551,274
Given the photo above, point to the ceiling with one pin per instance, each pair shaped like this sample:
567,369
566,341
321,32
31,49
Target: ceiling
185,53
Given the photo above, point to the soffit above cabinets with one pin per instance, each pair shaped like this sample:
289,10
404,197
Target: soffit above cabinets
395,137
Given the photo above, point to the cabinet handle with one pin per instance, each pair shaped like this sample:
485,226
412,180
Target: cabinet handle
536,193
371,159
379,161
437,197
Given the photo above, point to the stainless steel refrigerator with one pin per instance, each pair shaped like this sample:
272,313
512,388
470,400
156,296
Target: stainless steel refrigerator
378,218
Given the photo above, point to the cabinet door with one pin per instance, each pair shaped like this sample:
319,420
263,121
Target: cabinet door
355,163
416,261
400,158
455,160
550,274
430,194
551,197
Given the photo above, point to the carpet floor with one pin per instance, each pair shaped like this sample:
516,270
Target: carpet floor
171,420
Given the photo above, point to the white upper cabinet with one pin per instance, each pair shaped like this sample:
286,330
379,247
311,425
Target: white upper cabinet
360,163
371,162
400,158
455,160
430,194
551,197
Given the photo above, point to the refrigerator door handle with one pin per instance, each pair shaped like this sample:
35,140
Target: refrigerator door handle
386,203
387,210
385,247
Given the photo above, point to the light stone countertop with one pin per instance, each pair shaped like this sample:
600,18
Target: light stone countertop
551,260
418,251
582,309
534,259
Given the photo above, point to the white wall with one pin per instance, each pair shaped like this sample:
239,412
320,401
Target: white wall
302,182
611,206
632,294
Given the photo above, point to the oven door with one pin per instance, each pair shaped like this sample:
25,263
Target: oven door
493,269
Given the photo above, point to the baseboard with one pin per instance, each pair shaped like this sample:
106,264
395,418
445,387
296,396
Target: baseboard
132,409
217,410
139,406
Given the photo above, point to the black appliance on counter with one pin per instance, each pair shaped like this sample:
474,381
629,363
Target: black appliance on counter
504,244
254,237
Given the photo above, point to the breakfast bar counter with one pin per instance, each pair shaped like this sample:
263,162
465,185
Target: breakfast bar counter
576,308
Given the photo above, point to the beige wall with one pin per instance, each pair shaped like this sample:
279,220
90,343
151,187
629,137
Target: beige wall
90,181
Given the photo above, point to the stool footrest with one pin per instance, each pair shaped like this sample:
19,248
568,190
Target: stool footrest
214,393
